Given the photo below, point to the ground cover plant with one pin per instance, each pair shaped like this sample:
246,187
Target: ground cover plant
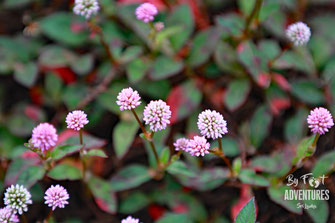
164,111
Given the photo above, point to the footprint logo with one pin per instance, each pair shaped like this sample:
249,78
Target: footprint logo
314,182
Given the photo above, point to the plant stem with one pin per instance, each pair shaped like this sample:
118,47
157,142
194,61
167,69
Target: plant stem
220,144
139,122
49,216
82,153
147,137
254,13
220,154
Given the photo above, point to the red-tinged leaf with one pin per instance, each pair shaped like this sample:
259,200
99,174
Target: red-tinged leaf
282,82
245,196
156,211
34,113
103,194
201,18
183,99
264,80
279,104
65,73
77,27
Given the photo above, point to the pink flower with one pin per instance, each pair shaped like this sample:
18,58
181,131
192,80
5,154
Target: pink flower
130,219
211,124
159,26
128,99
182,144
198,146
44,136
146,12
320,120
6,216
56,196
157,115
76,120
299,33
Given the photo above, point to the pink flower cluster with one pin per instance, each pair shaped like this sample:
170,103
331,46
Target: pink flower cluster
56,196
299,33
211,124
182,144
320,120
146,12
76,120
44,137
128,99
6,216
130,219
157,114
198,146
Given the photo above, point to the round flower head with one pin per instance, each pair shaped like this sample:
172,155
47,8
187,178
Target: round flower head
157,115
56,196
128,99
44,136
76,120
299,33
6,216
159,26
182,144
17,199
211,124
320,120
86,8
130,219
199,146
146,12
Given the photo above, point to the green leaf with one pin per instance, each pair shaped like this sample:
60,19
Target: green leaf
172,217
83,64
247,213
165,67
96,152
133,203
246,6
320,213
204,44
303,147
206,179
307,91
30,175
130,177
253,59
183,99
226,59
231,23
104,195
137,69
123,135
277,195
164,155
130,54
16,167
180,168
53,86
325,164
295,126
62,151
249,176
26,74
181,16
65,172
15,3
73,95
259,126
56,56
237,93
57,26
